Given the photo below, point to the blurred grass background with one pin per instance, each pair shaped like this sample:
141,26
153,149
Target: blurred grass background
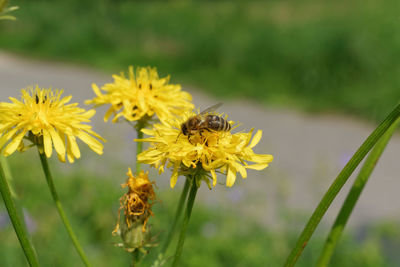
315,55
318,55
215,238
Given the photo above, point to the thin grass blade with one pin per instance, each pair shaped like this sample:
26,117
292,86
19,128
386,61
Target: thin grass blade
338,183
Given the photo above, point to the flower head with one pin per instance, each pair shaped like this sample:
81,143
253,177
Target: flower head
202,152
45,118
4,10
138,200
141,94
136,204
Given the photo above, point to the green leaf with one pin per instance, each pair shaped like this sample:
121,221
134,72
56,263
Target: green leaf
337,184
353,196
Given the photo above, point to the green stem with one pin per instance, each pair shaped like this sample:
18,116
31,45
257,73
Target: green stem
9,178
139,149
140,124
178,213
60,209
186,218
20,230
353,196
135,258
8,175
338,184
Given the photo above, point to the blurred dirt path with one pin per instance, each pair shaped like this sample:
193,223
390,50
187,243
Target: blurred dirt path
309,150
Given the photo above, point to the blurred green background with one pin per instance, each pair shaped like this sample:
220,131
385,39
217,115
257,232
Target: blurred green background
334,56
214,238
315,55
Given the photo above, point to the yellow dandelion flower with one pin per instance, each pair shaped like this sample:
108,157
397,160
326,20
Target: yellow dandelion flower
44,117
141,94
203,153
137,202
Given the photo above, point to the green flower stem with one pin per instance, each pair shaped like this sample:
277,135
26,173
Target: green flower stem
338,184
135,258
19,228
60,209
178,213
139,145
353,196
8,175
186,218
139,149
18,206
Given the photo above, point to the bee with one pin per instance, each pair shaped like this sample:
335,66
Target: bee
205,121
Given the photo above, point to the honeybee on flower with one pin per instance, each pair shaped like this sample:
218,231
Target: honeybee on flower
202,153
205,121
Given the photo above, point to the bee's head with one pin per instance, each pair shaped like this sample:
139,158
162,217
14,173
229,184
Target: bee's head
184,129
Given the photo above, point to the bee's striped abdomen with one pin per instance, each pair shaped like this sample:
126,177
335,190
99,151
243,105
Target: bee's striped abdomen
217,123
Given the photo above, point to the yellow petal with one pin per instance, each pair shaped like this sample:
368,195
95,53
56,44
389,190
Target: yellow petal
95,135
108,114
95,145
65,100
73,146
48,146
70,155
96,89
214,176
257,167
61,157
14,144
261,158
57,141
230,177
242,170
256,139
174,177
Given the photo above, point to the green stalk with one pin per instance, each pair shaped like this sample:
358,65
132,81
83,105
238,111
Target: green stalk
354,194
135,258
178,213
16,221
60,209
186,218
9,178
8,175
139,149
338,184
139,145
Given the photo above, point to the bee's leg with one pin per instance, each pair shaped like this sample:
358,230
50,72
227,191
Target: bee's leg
189,135
202,130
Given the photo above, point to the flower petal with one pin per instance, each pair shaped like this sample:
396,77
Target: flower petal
214,176
174,177
57,141
256,139
230,177
48,146
14,144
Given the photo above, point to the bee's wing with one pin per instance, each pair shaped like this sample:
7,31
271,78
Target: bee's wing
210,109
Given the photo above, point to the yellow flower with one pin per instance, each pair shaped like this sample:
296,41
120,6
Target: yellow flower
141,95
46,119
4,10
137,202
205,152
